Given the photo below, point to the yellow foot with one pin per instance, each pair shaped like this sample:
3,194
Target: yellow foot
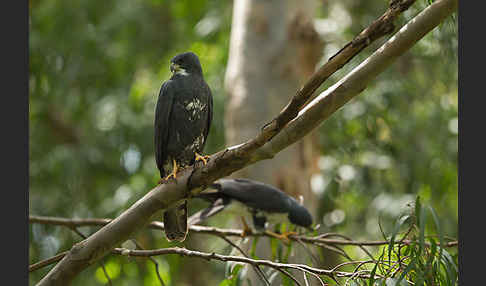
171,175
202,158
246,228
284,236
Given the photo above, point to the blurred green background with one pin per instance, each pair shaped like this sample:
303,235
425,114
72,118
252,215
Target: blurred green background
95,72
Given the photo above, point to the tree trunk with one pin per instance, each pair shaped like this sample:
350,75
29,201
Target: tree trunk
273,49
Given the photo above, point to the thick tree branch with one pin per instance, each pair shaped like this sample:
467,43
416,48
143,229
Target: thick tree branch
193,180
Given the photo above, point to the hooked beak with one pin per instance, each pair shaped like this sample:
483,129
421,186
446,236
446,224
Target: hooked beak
174,67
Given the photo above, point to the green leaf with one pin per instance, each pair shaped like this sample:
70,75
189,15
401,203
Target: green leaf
439,230
274,247
396,229
371,281
285,259
286,281
373,271
433,247
225,282
409,267
232,280
423,221
272,275
450,267
253,248
418,208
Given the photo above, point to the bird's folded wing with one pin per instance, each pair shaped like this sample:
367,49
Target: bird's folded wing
162,115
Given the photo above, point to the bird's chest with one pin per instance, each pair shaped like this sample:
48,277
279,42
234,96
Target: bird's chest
191,109
188,122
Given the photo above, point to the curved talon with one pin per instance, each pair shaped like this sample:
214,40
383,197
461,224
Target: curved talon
202,158
171,175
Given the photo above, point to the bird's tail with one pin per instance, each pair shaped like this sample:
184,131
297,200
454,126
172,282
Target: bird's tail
175,222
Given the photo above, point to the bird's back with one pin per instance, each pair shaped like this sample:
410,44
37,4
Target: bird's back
255,194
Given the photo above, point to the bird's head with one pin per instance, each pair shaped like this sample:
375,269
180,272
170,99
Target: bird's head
185,64
300,216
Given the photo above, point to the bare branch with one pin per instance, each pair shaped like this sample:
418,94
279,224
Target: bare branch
226,258
223,232
48,261
256,268
139,246
100,262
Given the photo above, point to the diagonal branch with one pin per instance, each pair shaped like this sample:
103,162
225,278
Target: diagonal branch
99,262
193,180
379,28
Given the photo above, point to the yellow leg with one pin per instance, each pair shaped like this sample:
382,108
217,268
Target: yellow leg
171,175
246,228
202,158
284,236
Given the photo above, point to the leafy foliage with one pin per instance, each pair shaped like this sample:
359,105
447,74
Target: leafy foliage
424,261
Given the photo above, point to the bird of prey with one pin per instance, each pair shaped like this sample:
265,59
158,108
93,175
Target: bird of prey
264,203
182,120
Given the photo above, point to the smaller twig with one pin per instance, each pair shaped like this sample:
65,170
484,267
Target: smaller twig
153,261
348,263
257,268
399,264
47,261
305,279
226,232
106,273
290,276
356,274
219,257
311,273
316,272
312,255
100,262
349,239
334,248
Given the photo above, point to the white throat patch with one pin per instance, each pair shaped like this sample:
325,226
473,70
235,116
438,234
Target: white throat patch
182,72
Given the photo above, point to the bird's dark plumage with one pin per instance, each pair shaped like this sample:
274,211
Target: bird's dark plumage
261,200
183,117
